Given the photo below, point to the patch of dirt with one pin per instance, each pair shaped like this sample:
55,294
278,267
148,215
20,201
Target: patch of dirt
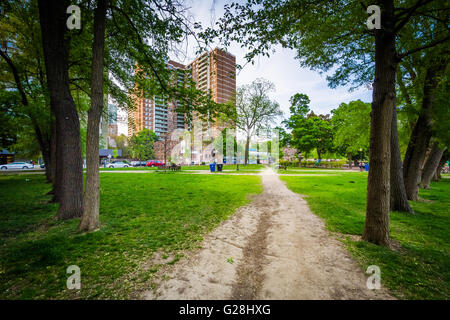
420,199
249,279
397,246
158,258
273,248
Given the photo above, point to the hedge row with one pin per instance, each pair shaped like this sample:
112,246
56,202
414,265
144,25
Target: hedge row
305,163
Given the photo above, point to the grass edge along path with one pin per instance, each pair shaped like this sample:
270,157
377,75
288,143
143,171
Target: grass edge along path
420,269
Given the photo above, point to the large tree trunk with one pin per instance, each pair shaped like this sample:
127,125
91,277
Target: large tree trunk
376,227
247,146
90,220
431,165
421,135
399,200
69,177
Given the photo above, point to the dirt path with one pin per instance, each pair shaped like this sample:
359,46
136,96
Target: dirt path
273,248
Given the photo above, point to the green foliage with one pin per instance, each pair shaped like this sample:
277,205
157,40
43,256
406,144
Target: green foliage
9,119
309,131
141,145
299,104
351,127
324,34
122,144
441,111
284,137
25,112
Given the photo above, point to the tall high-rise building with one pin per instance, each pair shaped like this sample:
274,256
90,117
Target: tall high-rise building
157,113
215,71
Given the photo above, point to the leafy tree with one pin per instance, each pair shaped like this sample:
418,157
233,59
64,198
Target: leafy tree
141,145
24,77
122,144
284,137
309,131
254,109
420,78
56,47
9,118
351,127
91,201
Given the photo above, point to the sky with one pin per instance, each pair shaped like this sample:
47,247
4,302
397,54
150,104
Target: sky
281,68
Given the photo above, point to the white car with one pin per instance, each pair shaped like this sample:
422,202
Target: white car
16,166
118,164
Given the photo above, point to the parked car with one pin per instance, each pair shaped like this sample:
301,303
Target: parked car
154,163
118,164
42,165
135,163
138,163
16,166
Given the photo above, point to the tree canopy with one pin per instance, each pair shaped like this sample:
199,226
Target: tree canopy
141,145
351,127
309,131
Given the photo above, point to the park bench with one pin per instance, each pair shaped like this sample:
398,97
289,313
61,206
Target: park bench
174,167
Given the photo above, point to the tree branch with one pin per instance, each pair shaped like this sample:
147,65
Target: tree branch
430,45
410,12
142,44
16,77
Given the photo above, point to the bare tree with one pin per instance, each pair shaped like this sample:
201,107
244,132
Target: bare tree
254,109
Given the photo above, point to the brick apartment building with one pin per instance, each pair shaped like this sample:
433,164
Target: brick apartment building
157,113
214,70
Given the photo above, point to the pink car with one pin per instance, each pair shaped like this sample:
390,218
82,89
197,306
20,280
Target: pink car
154,163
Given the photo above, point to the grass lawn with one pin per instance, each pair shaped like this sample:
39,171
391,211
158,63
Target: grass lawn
421,269
140,215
